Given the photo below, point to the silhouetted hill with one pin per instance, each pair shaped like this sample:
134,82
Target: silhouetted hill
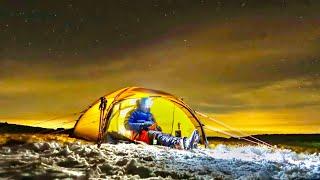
15,128
275,137
298,142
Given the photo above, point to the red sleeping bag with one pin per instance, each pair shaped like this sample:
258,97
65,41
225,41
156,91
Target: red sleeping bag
143,136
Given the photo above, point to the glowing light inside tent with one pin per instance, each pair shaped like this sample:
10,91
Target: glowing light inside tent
124,112
123,131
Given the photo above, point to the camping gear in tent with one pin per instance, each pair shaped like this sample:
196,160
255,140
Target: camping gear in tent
108,115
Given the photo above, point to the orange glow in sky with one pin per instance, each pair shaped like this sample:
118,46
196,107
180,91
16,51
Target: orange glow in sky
254,68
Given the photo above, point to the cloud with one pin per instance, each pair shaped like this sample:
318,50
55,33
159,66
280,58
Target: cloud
246,65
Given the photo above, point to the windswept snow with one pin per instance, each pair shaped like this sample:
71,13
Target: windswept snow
57,159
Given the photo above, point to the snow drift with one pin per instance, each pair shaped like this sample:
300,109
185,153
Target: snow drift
56,158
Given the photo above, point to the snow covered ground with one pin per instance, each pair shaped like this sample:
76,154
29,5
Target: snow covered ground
61,157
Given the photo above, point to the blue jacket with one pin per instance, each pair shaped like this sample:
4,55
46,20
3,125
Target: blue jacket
139,120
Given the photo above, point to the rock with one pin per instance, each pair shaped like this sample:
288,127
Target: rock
122,162
147,158
136,169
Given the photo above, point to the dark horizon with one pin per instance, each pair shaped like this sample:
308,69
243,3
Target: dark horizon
6,127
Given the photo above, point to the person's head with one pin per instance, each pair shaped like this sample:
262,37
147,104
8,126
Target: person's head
145,104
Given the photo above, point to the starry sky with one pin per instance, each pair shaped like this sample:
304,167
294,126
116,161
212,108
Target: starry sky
253,64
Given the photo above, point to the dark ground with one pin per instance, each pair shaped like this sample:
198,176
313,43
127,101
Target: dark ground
298,142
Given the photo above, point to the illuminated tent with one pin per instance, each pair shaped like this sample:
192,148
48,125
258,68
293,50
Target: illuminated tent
108,115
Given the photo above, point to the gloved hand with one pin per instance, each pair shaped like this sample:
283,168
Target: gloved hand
146,125
158,128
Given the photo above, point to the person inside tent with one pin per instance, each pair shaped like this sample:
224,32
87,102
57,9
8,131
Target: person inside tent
142,122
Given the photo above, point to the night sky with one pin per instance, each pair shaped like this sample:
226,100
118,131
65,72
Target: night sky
253,64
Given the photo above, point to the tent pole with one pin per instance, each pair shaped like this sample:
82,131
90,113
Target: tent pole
102,108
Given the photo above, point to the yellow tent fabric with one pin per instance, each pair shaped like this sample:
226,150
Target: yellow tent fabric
169,111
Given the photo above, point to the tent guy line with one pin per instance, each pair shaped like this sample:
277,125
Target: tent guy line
233,129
